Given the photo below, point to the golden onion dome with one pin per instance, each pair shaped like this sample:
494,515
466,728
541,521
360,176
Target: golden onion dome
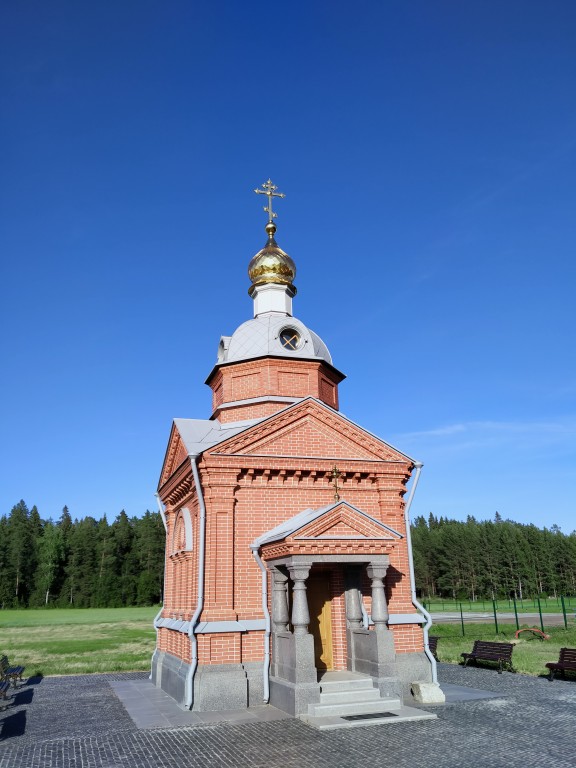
271,264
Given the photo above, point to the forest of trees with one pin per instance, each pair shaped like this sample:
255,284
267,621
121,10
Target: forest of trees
82,563
491,559
92,563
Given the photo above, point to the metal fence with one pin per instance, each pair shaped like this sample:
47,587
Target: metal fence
545,611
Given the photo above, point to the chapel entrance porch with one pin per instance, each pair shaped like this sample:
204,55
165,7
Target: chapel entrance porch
319,625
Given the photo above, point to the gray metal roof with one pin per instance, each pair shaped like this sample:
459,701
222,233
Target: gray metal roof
200,434
293,524
260,337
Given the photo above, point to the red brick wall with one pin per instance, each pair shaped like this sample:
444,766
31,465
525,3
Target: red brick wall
245,496
269,377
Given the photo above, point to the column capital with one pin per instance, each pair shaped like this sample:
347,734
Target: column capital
376,571
299,572
278,576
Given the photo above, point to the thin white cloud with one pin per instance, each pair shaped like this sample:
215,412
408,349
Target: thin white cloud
487,429
450,429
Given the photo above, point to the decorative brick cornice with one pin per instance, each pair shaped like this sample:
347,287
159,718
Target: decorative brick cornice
179,487
176,455
324,418
335,547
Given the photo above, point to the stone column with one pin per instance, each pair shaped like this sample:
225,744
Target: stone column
380,615
294,682
354,622
280,615
353,605
300,614
382,653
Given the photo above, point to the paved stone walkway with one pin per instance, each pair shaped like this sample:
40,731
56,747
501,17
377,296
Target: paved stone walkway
79,722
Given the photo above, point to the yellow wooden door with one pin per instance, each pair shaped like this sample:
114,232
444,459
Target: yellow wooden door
320,608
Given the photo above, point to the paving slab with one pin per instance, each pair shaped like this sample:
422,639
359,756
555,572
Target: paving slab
488,721
459,693
400,715
150,707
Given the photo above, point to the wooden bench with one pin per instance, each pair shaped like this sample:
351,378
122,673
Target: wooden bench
4,688
567,661
10,673
433,645
498,652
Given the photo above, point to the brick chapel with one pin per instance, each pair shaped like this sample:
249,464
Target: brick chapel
288,571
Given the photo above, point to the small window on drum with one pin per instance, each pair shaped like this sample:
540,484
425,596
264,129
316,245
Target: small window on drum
290,339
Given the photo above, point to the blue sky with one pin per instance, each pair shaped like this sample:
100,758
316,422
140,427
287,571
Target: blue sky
428,156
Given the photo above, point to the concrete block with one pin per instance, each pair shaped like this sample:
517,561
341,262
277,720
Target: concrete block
427,693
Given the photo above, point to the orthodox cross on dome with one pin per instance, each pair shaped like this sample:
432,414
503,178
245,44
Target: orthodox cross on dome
269,190
335,475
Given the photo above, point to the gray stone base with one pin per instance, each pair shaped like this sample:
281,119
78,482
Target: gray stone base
216,687
389,686
255,676
169,674
410,667
220,686
293,697
373,652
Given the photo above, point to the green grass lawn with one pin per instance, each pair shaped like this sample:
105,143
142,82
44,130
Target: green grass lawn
529,656
79,640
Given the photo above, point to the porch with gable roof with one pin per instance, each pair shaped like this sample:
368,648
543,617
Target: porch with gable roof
339,537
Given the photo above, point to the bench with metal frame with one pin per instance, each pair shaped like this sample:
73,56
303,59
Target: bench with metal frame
501,653
4,688
566,662
10,673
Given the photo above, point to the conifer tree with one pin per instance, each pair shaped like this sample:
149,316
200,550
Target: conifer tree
149,544
80,585
20,552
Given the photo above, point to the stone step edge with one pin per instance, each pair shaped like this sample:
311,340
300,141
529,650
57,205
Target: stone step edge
340,697
358,708
334,723
361,684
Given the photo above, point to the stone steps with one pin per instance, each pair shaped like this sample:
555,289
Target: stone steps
348,697
349,701
351,684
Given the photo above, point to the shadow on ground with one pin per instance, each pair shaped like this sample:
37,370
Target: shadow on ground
13,725
22,697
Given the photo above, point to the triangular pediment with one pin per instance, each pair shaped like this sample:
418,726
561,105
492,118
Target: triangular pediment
338,521
176,453
310,429
345,521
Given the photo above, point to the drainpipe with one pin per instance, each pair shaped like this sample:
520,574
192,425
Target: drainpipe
189,684
266,667
415,602
157,617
